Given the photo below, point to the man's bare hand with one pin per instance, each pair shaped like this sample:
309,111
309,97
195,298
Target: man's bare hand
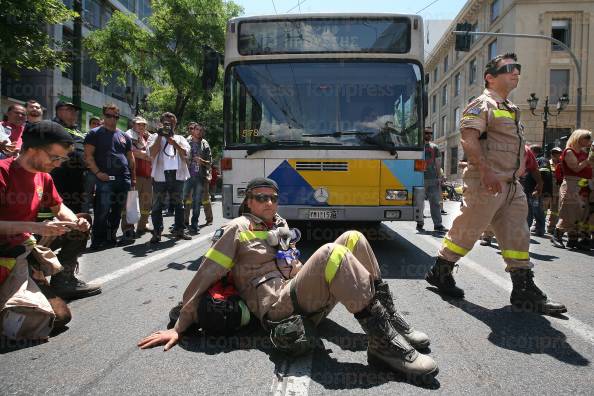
169,338
490,181
50,229
82,224
102,176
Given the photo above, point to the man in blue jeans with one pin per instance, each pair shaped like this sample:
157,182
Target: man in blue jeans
199,165
169,153
432,181
108,153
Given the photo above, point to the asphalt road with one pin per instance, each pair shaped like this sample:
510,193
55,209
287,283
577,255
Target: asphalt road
480,345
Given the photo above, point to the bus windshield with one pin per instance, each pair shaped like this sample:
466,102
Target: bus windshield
359,104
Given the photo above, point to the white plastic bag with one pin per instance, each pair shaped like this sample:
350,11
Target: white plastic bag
132,207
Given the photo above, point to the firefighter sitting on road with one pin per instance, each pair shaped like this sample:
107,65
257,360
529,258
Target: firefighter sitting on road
274,288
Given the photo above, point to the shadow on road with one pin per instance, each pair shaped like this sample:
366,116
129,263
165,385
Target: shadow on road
524,332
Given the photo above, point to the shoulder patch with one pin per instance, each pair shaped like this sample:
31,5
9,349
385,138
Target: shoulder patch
217,235
474,111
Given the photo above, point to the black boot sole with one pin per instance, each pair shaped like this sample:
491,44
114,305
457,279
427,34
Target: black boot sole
529,306
421,379
77,295
447,292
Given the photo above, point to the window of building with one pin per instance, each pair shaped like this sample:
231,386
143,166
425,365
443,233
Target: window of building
495,9
68,39
434,103
144,9
474,28
559,84
129,4
456,118
444,125
92,14
444,95
457,85
435,75
445,65
561,31
434,129
472,72
90,72
68,3
453,160
106,12
492,49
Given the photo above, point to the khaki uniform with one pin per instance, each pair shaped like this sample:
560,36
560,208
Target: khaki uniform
553,204
342,271
502,145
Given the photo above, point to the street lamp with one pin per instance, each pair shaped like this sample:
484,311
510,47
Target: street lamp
561,105
136,104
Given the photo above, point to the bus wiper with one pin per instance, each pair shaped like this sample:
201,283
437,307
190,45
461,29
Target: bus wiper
376,141
277,143
337,134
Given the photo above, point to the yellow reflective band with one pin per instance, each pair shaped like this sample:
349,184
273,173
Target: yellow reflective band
7,262
459,250
219,258
246,236
31,241
352,240
583,183
45,215
504,114
469,116
205,202
334,261
515,254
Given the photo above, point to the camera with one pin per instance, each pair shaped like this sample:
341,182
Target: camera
166,130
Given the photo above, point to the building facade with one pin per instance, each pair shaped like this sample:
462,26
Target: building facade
455,78
50,86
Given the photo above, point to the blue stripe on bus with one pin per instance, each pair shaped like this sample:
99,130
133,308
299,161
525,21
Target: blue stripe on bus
404,170
294,189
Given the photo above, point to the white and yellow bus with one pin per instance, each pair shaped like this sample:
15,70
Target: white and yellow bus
331,107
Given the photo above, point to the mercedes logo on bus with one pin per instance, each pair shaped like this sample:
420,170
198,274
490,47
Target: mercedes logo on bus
321,195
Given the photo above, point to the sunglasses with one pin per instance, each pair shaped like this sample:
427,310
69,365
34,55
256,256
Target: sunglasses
262,198
509,68
116,116
54,158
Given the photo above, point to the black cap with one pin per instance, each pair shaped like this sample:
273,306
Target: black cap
261,182
46,132
63,103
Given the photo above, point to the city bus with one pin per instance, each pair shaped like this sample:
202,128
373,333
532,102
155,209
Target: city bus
331,107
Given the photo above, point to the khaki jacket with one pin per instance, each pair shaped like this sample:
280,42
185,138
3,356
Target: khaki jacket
501,136
257,274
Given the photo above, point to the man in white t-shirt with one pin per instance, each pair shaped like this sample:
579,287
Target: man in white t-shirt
169,153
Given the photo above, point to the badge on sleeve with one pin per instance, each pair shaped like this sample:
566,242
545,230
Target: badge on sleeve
474,111
217,235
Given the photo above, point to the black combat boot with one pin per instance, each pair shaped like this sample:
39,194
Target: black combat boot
389,349
572,243
68,287
527,296
441,277
417,339
557,239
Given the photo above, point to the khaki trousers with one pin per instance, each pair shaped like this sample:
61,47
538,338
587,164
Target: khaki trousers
144,187
506,212
342,271
572,207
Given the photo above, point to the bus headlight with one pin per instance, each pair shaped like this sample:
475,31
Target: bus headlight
396,195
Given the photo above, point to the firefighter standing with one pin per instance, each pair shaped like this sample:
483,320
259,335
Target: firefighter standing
274,288
493,141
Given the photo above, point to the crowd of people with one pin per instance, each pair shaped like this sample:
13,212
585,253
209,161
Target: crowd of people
60,187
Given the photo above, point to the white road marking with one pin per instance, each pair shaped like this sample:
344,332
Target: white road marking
294,377
581,329
156,257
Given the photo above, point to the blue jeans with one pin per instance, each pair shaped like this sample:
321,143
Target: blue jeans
193,188
433,195
110,198
536,213
160,190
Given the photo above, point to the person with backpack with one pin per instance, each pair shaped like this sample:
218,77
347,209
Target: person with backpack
290,298
576,165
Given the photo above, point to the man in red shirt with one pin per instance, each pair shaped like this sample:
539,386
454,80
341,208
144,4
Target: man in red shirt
16,115
26,187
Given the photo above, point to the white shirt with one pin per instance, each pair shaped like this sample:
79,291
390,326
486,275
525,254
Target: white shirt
162,162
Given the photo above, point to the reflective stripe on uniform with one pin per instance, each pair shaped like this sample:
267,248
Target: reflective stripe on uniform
334,261
469,117
45,215
246,236
352,240
206,202
7,262
515,254
219,258
459,250
504,114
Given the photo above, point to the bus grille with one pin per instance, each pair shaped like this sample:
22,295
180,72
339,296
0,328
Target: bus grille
322,166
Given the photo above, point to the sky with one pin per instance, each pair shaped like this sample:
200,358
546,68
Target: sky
441,9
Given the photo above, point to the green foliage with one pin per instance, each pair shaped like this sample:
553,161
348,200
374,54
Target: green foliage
24,41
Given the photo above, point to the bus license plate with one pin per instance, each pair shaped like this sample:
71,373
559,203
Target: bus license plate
324,214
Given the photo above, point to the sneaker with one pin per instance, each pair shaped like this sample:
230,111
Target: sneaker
420,227
194,229
440,228
181,234
71,288
128,238
443,212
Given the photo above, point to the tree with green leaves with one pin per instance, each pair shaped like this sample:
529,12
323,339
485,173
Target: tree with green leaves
168,55
24,39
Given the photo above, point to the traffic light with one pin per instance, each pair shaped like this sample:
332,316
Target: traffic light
210,68
463,39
